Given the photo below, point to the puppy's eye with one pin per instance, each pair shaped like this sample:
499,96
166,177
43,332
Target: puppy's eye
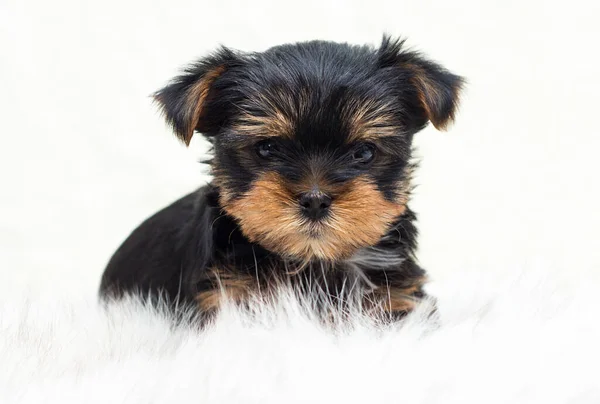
364,153
266,148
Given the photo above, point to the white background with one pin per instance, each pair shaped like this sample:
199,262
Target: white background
85,157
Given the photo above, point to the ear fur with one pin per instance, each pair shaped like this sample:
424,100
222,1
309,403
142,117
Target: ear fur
438,90
184,100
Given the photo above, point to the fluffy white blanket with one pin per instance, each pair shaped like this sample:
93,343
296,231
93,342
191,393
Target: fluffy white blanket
523,338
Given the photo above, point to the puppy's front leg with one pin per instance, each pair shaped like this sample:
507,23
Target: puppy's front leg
395,299
224,286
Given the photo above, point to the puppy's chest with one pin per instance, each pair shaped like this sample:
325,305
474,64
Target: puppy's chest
271,275
364,270
368,279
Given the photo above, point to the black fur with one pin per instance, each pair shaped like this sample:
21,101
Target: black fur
171,252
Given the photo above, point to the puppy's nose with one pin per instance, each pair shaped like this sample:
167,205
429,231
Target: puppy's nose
315,205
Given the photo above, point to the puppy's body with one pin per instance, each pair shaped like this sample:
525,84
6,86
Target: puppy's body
311,178
190,253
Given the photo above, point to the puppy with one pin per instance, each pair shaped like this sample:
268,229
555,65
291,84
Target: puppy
312,177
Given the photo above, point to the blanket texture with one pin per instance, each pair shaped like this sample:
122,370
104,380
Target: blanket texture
525,338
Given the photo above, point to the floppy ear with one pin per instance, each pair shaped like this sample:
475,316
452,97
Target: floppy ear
437,90
184,101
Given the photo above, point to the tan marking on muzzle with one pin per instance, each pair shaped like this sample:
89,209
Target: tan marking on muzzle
269,214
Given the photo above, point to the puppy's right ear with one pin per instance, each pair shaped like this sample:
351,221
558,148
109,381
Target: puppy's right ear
185,100
437,90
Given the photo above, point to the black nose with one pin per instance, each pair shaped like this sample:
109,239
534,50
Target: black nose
315,205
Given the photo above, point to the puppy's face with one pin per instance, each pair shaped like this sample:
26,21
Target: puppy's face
312,141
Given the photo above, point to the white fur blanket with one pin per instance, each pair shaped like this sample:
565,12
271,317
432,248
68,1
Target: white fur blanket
524,338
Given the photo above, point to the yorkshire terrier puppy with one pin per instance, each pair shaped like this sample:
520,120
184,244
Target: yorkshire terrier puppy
312,177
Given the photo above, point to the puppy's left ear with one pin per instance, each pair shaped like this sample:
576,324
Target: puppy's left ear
437,89
185,101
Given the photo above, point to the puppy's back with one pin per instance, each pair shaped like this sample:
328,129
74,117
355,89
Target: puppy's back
151,260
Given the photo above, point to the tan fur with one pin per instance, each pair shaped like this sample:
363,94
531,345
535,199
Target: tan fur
269,215
275,125
196,97
370,121
282,110
395,299
228,286
428,93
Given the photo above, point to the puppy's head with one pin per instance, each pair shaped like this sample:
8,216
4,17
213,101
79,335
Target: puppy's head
312,140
